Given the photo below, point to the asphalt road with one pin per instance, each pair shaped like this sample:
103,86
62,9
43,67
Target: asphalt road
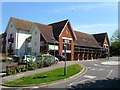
100,73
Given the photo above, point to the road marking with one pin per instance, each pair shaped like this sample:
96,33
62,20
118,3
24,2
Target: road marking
88,76
78,82
101,65
100,69
89,67
109,73
93,69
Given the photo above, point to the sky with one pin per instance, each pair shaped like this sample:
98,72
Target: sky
88,17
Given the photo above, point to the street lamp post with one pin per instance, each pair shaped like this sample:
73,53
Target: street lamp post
54,47
65,68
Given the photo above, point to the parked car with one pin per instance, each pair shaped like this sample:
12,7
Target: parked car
39,56
61,57
27,58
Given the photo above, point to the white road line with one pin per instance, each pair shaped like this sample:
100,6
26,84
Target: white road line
93,69
100,69
101,65
109,73
88,76
89,67
78,82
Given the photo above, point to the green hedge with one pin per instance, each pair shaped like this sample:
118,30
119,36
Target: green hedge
16,69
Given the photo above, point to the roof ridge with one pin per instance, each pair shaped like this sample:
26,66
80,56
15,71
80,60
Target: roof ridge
21,19
59,21
81,32
100,33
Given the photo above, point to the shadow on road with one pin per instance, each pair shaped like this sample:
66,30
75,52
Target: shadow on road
105,83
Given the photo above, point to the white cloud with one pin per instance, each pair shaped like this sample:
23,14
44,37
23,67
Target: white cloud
97,28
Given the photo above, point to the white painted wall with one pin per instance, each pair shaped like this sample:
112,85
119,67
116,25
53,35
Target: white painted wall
11,30
22,36
35,39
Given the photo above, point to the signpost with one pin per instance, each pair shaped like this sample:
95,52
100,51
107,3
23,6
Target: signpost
65,68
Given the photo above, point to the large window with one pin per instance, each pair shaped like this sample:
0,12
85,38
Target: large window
67,43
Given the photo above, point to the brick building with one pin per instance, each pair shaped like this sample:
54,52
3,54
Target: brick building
24,37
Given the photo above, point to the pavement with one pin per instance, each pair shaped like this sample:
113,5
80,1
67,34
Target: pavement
99,73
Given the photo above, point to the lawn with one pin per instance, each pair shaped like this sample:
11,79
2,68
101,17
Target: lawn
46,77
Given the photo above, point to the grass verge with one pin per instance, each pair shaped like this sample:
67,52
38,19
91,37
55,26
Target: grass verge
46,77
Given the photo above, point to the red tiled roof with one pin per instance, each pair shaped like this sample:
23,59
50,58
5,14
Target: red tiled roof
46,31
86,40
22,24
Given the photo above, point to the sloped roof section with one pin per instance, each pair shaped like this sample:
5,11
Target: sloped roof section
22,24
47,32
86,40
101,37
58,27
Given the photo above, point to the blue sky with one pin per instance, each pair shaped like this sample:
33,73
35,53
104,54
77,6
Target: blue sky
88,17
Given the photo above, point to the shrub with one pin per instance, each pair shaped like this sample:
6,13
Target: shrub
9,71
6,59
18,69
14,71
47,61
31,65
23,68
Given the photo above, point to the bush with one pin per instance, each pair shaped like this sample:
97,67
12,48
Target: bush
15,69
9,71
18,69
31,65
6,59
45,61
23,68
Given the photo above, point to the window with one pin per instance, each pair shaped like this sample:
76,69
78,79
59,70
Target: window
13,45
13,35
67,31
35,32
35,53
35,43
8,36
41,43
67,43
11,25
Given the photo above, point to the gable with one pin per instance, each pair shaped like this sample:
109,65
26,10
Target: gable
58,27
101,38
105,42
67,31
10,27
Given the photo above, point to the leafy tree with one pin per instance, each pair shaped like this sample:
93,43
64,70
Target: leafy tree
115,43
115,36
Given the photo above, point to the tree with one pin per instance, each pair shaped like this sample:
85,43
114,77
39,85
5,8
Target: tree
115,36
115,43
